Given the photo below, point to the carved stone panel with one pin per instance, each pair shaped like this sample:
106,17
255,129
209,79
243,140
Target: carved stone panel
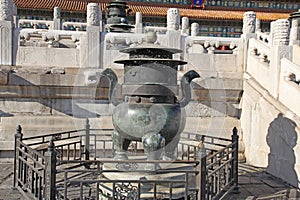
93,14
173,19
5,10
5,43
281,32
249,21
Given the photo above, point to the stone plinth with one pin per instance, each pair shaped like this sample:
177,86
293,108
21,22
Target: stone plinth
128,172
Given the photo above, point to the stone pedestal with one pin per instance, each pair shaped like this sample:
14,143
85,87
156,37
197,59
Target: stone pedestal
146,188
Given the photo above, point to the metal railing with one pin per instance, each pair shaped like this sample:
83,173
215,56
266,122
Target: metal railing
79,165
218,162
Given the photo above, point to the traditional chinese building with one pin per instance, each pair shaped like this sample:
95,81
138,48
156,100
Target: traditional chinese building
215,17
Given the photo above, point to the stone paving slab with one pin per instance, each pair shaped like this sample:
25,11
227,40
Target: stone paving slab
257,184
6,183
254,183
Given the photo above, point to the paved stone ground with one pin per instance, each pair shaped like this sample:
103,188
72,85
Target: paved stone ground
6,182
254,182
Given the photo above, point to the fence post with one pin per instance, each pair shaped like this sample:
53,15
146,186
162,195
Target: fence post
235,140
18,137
87,140
50,172
201,157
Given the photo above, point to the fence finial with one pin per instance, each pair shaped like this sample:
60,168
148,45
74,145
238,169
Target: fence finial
51,145
234,131
19,129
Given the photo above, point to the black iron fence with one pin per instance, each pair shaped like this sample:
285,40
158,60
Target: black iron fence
79,165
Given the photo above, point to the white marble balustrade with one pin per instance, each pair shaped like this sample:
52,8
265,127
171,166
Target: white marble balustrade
212,44
260,50
258,63
289,88
36,24
76,25
264,37
161,30
53,38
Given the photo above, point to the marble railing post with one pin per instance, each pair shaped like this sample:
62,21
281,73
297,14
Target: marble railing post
173,32
249,21
14,13
194,29
185,26
138,23
93,36
6,32
50,172
57,23
257,25
100,19
280,49
295,28
173,19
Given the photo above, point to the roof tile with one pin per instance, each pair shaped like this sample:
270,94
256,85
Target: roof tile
147,10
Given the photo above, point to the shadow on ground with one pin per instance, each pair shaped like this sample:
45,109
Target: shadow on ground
256,183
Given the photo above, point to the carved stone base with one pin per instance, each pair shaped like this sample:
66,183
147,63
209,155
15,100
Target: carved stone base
126,180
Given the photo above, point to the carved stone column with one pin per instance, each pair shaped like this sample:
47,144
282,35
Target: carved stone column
6,10
185,26
6,32
93,36
173,19
57,19
194,29
280,49
257,25
100,19
173,32
281,32
93,14
138,23
295,29
249,21
14,13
